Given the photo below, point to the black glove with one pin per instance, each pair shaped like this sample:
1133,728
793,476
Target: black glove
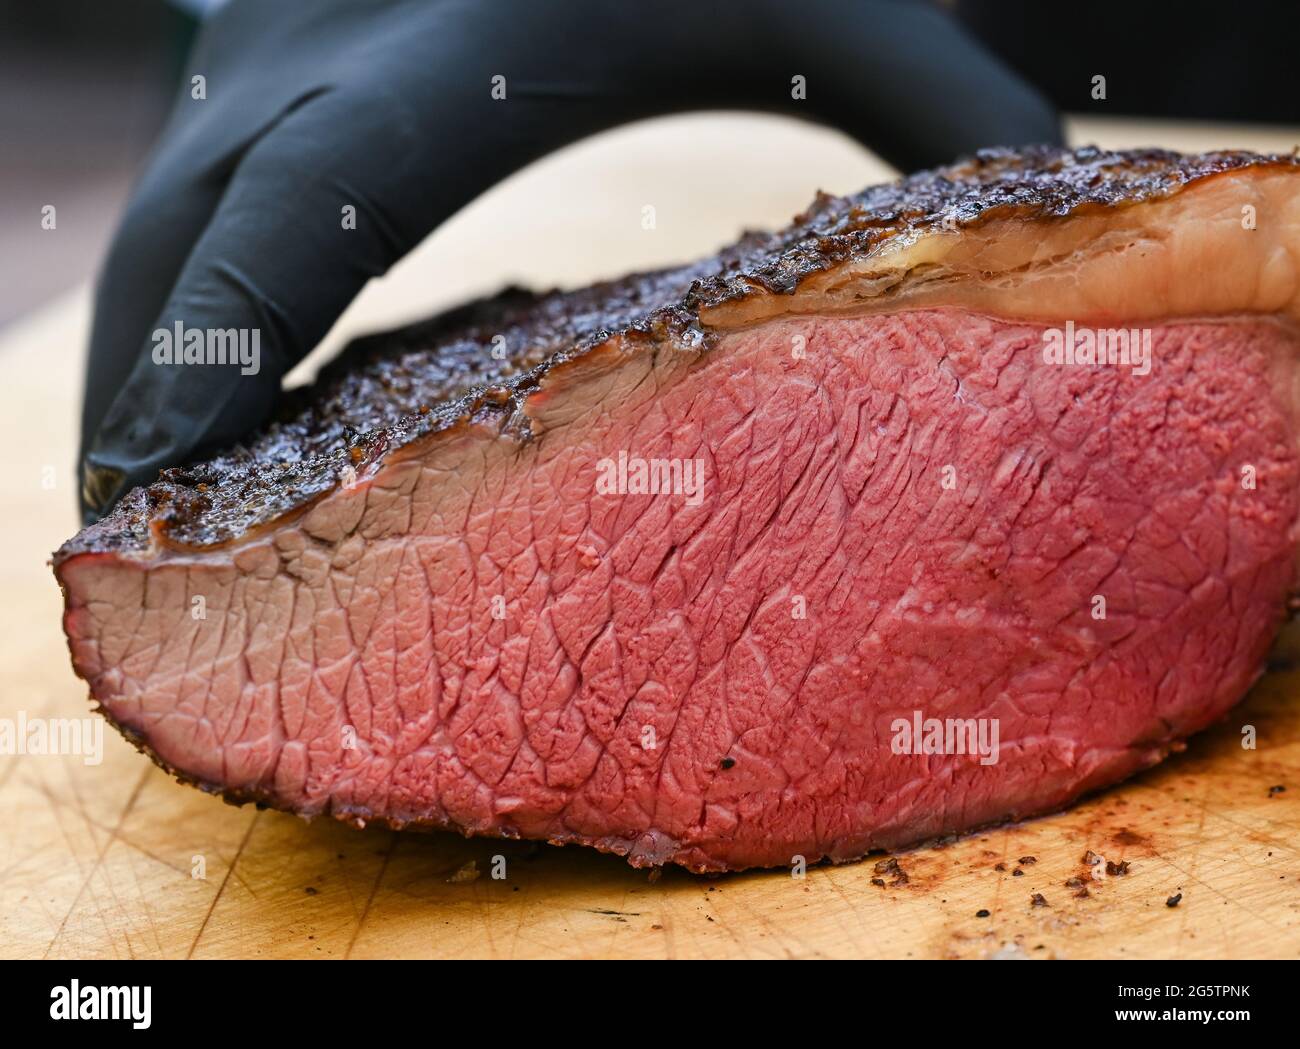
388,107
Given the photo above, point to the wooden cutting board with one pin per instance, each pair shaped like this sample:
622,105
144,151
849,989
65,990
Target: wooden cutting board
100,861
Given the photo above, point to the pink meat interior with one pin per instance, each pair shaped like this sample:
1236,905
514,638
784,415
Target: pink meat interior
899,513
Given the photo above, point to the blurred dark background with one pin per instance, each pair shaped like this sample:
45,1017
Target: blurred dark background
86,84
84,87
1194,60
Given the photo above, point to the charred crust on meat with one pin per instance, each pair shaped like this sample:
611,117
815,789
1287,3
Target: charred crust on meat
387,391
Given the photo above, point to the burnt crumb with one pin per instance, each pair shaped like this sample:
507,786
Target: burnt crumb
1038,900
1091,858
1074,883
1174,900
656,928
311,890
981,913
1027,861
893,868
999,866
466,872
1116,869
1082,894
728,763
890,867
878,881
1017,873
1279,789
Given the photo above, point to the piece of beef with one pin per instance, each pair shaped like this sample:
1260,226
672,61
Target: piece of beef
674,566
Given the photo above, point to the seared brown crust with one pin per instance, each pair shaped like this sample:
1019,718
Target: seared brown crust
388,390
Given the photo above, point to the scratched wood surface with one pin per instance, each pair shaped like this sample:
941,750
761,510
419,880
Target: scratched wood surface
98,860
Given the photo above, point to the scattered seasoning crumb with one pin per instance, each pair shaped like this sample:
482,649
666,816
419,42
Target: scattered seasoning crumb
311,890
1082,894
656,928
981,913
1279,789
727,763
1117,868
424,409
356,454
1026,861
1174,900
1038,900
1091,858
1074,883
999,866
1017,873
467,872
878,881
890,866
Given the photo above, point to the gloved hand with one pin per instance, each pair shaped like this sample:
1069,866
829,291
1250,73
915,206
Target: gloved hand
388,106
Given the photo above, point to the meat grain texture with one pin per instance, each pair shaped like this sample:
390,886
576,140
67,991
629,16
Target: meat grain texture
412,600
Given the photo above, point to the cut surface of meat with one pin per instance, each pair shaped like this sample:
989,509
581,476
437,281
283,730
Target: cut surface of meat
690,575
